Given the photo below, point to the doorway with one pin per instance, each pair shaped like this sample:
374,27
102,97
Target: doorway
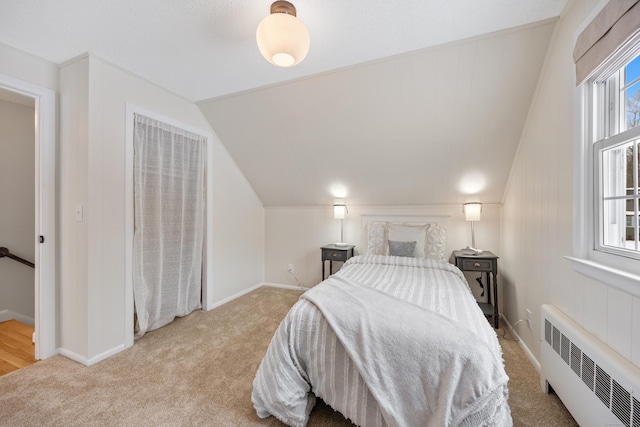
45,322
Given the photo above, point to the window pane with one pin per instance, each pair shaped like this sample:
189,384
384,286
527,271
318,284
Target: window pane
614,228
632,93
632,71
637,165
632,105
617,170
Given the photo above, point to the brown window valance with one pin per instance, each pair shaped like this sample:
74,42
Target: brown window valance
614,25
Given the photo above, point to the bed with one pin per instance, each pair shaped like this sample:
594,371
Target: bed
387,341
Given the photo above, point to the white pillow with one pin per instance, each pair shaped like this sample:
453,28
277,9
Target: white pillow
377,238
436,237
409,233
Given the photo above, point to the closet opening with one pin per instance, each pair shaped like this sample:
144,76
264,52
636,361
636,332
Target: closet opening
168,254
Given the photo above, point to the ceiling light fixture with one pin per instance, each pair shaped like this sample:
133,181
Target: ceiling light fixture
282,38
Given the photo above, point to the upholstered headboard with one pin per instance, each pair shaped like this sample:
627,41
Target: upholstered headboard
433,229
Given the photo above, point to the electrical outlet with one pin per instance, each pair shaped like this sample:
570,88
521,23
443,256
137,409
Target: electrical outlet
290,268
529,318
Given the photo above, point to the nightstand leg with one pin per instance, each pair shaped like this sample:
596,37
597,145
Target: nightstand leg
496,319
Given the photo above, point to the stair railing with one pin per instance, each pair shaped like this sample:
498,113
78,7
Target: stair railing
4,252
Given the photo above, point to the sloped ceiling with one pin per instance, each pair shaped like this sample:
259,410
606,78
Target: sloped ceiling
430,127
398,101
202,49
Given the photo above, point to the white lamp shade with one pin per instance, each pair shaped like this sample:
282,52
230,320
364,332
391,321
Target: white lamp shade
283,39
472,211
339,209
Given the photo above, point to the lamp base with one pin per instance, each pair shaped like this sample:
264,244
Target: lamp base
340,244
471,251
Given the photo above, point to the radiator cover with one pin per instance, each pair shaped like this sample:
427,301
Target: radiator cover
595,383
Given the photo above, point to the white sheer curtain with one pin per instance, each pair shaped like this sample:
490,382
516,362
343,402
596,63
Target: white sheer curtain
169,169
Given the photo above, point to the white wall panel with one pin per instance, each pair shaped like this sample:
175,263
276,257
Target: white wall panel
620,316
294,235
595,308
537,228
94,96
28,68
239,229
74,106
635,331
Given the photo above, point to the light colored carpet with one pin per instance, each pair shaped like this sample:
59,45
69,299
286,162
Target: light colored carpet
198,371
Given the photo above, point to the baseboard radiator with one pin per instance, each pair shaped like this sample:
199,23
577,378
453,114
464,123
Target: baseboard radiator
597,385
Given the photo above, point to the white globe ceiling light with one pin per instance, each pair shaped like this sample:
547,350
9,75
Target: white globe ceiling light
282,38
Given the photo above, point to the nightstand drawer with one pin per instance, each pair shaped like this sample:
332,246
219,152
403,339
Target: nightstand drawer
335,255
477,265
331,253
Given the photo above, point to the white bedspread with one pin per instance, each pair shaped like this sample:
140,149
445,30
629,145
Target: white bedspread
391,352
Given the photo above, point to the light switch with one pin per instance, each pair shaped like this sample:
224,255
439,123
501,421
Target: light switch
79,213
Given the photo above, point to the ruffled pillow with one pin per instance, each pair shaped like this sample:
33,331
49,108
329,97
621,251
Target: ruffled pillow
436,238
377,242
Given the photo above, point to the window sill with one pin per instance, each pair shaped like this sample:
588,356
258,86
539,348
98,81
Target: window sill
623,280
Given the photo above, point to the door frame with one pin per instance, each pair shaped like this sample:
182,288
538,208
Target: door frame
45,322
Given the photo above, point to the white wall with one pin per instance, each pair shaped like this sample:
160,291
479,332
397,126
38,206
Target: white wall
294,235
538,220
17,215
94,95
28,68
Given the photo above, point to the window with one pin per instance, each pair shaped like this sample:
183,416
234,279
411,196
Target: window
616,154
606,238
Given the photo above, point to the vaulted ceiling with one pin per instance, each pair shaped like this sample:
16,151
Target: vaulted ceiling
399,102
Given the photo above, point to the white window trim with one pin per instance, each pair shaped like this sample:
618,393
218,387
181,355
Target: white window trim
612,269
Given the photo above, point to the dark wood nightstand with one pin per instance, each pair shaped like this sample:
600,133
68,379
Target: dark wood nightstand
487,263
335,253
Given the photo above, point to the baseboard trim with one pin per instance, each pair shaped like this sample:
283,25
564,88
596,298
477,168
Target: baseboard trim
291,287
232,297
73,356
90,361
100,357
12,315
253,288
522,345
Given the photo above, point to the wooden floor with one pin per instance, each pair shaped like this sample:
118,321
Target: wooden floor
16,347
